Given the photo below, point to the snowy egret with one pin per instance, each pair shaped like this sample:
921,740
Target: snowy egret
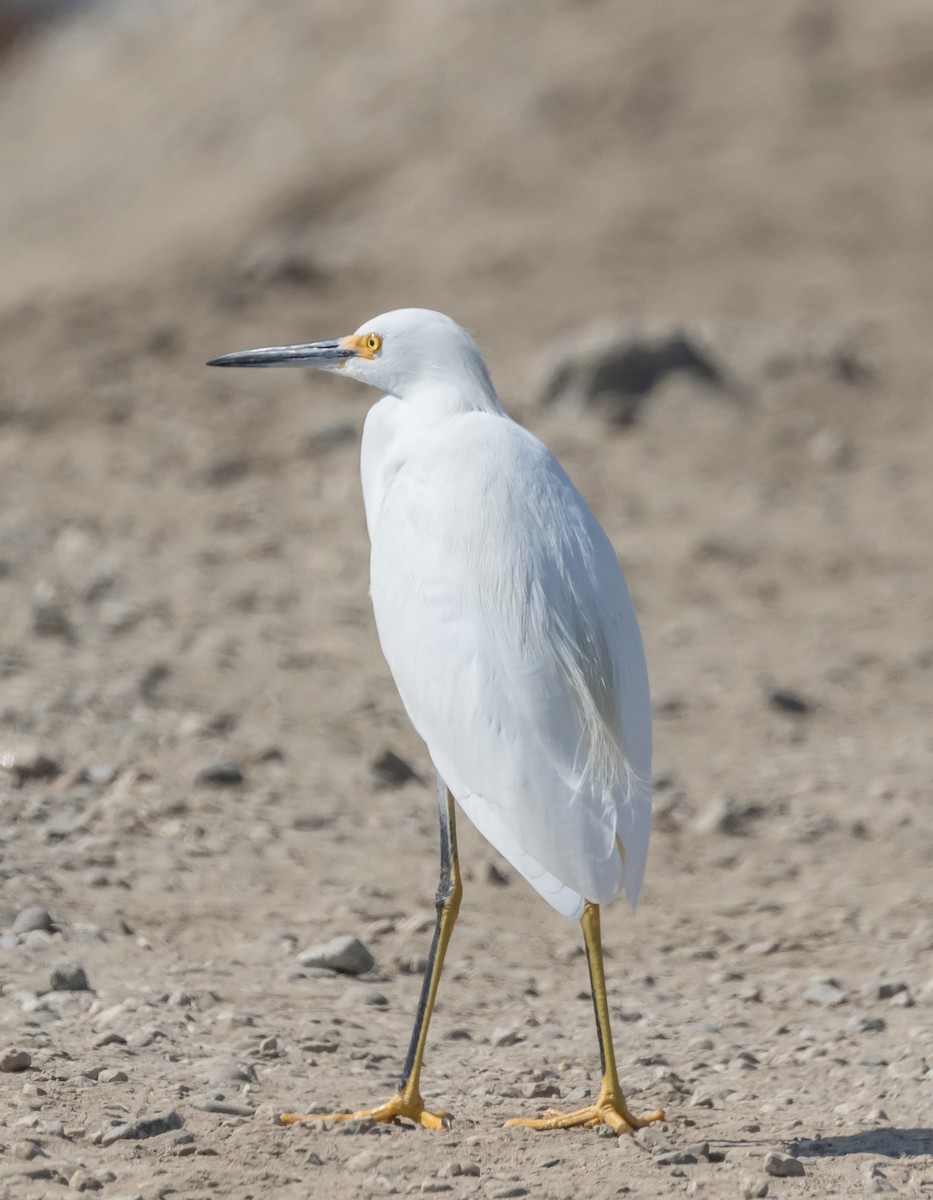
510,633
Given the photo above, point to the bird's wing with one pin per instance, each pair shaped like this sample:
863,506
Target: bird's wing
507,625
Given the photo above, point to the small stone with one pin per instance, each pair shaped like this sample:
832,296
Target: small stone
32,918
26,1150
874,1180
675,1158
502,1036
228,1108
507,1193
148,1127
84,1181
345,954
223,774
14,1060
26,760
101,774
68,976
118,1133
366,1160
112,1076
788,701
108,1039
755,1189
827,994
390,771
782,1165
51,620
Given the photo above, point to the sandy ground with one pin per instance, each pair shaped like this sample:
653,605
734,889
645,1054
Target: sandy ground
183,583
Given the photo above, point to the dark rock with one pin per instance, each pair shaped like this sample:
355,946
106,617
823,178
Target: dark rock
390,771
68,976
616,368
223,774
788,701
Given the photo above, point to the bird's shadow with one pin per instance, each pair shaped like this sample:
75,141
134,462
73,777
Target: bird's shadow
889,1143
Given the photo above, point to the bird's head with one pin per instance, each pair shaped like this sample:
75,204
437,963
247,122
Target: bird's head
403,353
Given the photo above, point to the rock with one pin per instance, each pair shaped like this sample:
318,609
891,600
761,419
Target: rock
755,1189
345,954
827,994
68,977
675,1158
727,816
118,1133
502,1036
874,1180
100,774
390,771
614,367
84,1181
32,918
14,1060
51,620
230,1108
112,1076
222,774
782,1165
873,991
26,760
788,701
148,1127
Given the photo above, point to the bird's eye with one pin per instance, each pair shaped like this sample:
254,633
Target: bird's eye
373,342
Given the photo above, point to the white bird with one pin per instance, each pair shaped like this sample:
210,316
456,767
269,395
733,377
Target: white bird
507,625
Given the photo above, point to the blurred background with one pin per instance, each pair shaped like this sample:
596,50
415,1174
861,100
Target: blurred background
694,243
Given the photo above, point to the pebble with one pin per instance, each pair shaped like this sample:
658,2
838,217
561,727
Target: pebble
755,1189
788,701
13,1060
112,1076
68,976
782,1165
827,994
675,1158
503,1036
390,771
32,918
874,1180
84,1181
222,774
229,1108
345,954
26,760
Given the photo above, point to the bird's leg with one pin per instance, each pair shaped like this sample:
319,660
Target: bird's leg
610,1107
407,1101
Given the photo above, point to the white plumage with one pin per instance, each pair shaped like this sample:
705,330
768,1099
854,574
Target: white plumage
505,620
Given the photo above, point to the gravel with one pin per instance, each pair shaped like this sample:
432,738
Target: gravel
345,954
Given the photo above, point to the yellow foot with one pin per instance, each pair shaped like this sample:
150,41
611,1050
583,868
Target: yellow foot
611,1111
410,1107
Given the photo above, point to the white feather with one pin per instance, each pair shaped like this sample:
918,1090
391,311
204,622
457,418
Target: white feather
507,625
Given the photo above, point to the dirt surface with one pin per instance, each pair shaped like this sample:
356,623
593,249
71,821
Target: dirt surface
183,585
